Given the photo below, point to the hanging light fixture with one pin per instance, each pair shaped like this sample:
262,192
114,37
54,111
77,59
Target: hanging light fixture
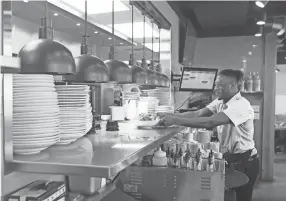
261,4
157,76
118,71
151,80
259,32
139,74
46,56
158,68
166,80
261,19
90,68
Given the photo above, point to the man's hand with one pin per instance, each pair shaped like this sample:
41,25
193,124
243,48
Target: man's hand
168,120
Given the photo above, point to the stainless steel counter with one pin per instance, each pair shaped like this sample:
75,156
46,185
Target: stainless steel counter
95,155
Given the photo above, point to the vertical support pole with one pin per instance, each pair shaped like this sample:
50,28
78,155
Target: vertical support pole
269,85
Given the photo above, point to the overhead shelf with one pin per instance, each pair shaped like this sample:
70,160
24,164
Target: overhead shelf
109,154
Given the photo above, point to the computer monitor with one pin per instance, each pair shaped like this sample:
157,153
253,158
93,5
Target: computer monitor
198,79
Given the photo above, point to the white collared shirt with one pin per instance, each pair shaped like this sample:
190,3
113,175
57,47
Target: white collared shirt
236,137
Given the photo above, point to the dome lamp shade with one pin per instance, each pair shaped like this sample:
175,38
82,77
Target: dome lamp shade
90,68
46,56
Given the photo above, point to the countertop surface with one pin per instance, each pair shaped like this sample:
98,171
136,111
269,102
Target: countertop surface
102,154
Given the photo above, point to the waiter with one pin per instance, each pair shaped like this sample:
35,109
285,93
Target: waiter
233,116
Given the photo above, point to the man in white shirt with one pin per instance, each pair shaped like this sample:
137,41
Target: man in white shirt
233,116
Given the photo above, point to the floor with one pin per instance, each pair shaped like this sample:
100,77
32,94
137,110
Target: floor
273,191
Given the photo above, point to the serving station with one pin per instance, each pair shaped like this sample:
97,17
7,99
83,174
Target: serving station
80,117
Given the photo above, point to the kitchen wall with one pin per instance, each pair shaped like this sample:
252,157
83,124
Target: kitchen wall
280,107
172,17
229,52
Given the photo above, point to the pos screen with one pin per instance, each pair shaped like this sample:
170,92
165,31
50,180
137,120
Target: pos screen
198,79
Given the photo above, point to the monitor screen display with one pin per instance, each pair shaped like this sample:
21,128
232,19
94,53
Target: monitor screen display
198,79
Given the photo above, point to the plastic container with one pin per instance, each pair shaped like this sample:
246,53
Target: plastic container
160,159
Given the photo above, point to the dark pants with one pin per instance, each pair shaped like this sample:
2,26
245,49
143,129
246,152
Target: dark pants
249,166
251,169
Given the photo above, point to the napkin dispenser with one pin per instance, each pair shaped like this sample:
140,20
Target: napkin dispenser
117,113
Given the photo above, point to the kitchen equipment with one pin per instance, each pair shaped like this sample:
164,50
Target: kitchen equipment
112,126
118,71
139,74
36,119
90,68
117,113
130,108
75,112
44,55
105,117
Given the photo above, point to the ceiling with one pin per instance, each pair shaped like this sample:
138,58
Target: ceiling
225,18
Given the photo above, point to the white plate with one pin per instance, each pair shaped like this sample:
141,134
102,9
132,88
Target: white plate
35,140
31,108
36,131
43,145
19,128
37,112
30,151
49,101
37,136
54,114
28,85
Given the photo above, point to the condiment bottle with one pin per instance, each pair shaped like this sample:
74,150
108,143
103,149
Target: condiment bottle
198,162
242,88
210,166
256,82
187,159
248,83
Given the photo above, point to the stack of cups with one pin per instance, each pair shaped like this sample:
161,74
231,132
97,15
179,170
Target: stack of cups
204,136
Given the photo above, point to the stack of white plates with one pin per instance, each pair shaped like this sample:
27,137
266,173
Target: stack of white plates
131,95
36,121
75,112
152,103
164,109
163,95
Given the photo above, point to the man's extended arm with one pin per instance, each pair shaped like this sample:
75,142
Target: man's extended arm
204,112
203,122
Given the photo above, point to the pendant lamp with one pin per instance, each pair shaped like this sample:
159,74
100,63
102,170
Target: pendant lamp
46,56
151,77
90,68
119,72
159,75
166,80
139,74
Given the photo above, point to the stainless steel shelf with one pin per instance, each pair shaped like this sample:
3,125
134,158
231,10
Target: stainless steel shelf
95,155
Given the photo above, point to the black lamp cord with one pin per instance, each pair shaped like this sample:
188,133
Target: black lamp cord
144,37
184,103
132,39
113,36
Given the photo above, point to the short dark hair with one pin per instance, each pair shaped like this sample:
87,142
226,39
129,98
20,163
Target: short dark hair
237,75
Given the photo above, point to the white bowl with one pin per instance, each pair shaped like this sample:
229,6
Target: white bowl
105,117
